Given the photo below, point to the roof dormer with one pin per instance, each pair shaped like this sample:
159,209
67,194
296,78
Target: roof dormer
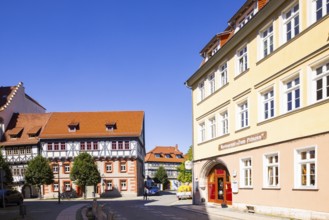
73,126
110,126
15,132
34,132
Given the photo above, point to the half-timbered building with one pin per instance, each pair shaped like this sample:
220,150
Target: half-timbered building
114,139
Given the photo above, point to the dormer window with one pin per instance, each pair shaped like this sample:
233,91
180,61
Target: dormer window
73,126
157,155
15,133
110,126
34,132
168,156
179,156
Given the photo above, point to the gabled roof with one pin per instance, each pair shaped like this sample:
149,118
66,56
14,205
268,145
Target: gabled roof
93,124
21,126
163,151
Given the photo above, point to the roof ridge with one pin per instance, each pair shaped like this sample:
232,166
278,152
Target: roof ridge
11,96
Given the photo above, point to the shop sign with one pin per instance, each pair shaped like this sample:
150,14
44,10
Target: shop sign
245,140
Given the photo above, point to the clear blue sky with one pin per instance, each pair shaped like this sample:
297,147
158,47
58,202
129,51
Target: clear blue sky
112,55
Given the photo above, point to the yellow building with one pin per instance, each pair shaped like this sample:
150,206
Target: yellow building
260,111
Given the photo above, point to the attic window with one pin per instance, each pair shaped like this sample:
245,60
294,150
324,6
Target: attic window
179,156
157,155
110,126
34,132
73,126
168,156
15,132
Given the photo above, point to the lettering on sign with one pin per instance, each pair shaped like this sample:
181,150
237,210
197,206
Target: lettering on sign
245,140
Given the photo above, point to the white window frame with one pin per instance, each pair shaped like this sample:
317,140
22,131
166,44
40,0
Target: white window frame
242,60
67,186
314,10
294,90
291,21
243,115
266,42
224,122
299,162
246,172
67,168
212,82
271,180
223,75
202,90
109,185
212,127
56,188
267,100
202,132
324,76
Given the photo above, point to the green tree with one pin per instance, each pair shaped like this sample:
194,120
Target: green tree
39,172
7,171
185,176
162,176
84,171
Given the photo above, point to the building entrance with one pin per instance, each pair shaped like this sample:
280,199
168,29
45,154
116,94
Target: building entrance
219,186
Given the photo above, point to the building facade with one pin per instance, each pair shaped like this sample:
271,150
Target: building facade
168,157
116,140
260,102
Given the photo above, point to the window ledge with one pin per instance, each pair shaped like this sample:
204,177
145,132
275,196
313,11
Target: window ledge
247,188
242,129
271,188
305,189
241,74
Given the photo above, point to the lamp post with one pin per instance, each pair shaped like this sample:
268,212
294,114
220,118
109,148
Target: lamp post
3,191
59,184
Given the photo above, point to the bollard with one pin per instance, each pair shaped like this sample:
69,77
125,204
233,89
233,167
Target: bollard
89,213
22,210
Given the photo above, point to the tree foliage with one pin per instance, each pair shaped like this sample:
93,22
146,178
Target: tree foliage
39,172
162,176
185,176
84,171
7,171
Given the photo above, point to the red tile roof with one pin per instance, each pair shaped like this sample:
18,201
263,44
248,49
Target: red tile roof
93,124
23,125
163,151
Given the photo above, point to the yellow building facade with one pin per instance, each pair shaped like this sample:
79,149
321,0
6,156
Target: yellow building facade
260,111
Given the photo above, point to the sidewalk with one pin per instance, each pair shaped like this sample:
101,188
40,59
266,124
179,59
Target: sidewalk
69,213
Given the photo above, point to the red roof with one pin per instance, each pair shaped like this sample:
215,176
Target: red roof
165,154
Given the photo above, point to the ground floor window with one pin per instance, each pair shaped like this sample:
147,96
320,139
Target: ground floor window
246,174
305,162
123,185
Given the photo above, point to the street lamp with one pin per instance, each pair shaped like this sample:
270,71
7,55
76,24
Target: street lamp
59,184
3,191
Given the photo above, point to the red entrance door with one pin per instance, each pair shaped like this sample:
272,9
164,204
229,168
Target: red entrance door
219,187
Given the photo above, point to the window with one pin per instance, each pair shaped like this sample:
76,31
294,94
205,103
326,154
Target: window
246,177
212,83
114,145
127,145
267,41
168,156
179,156
224,122
245,20
67,168
243,115
271,174
268,104
56,146
305,176
212,123
55,187
201,91
242,60
321,81
202,128
120,145
123,167
123,185
28,150
108,185
55,168
292,94
95,145
50,146
67,186
320,8
82,146
291,23
88,145
223,75
108,167
157,155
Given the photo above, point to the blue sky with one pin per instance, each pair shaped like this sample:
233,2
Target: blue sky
112,55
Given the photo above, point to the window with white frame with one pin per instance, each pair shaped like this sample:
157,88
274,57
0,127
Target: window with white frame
291,23
123,167
212,126
223,75
320,8
267,41
109,185
212,83
271,174
67,186
321,82
243,117
246,174
292,94
55,187
123,185
55,168
268,104
202,132
305,161
224,122
201,91
67,168
242,60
